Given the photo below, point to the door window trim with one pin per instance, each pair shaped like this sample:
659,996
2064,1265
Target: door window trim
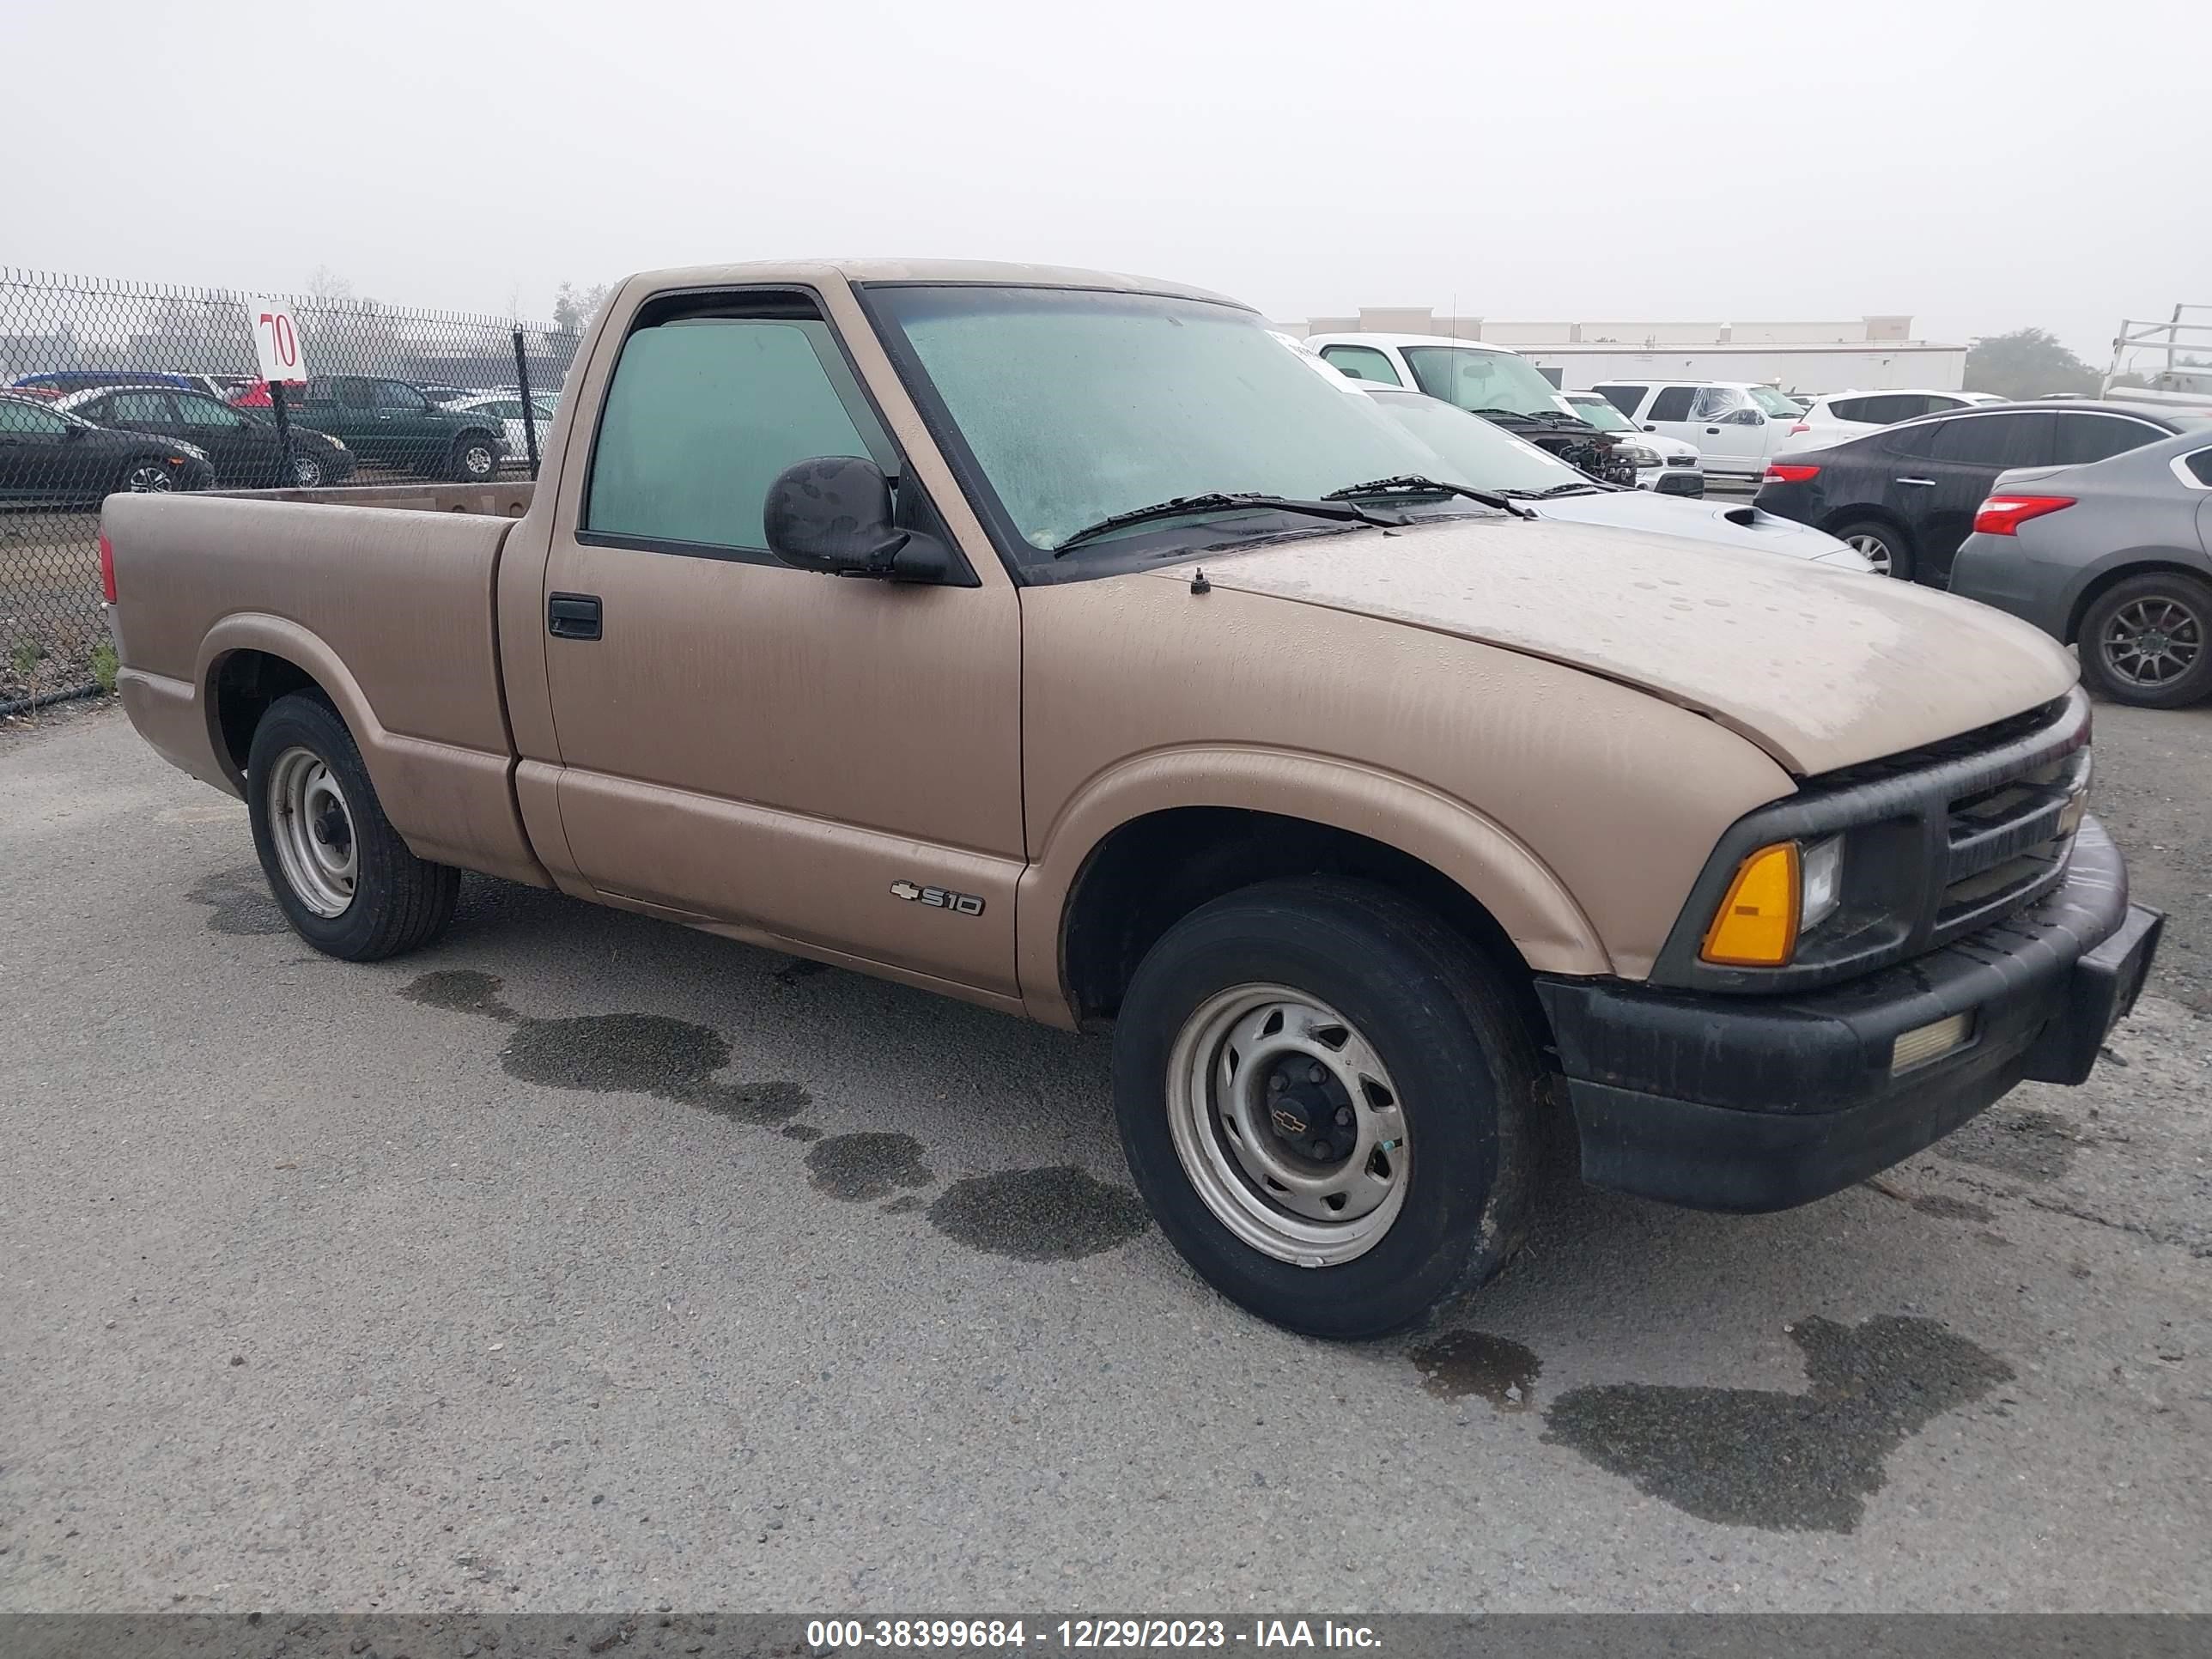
920,512
2183,470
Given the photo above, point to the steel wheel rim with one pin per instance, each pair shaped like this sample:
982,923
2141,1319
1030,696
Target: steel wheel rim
1875,550
147,478
1274,1187
2153,641
313,829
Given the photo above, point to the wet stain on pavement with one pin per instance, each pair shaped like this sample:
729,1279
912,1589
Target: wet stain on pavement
239,903
1785,1462
1054,1214
2019,1141
460,991
797,969
862,1168
646,1054
609,1054
1459,1364
904,1204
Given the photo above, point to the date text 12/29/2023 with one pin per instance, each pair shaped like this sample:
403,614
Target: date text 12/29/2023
997,1634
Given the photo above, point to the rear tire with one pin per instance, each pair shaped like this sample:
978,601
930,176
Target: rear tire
474,459
2146,641
1882,542
1251,1033
344,879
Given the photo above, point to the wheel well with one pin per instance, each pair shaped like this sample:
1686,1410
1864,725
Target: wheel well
1849,515
1154,870
245,683
2119,574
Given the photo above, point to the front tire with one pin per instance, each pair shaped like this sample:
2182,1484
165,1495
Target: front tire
149,477
306,471
2147,641
344,879
1329,1102
1882,543
474,459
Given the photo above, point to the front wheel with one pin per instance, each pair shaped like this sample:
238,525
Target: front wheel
2147,641
1883,544
149,477
473,460
343,878
1329,1100
306,471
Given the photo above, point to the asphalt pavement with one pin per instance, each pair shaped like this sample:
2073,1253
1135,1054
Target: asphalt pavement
585,1262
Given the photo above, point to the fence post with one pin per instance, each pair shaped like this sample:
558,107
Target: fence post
529,408
286,477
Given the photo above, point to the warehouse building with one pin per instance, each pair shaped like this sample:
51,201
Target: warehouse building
1871,354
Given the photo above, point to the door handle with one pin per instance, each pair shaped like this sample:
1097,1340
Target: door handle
1924,483
573,616
1712,432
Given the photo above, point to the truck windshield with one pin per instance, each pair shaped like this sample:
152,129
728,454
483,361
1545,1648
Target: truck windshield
1474,451
1079,405
1475,379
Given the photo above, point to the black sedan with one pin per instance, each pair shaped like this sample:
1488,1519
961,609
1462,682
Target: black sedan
1906,495
53,458
245,449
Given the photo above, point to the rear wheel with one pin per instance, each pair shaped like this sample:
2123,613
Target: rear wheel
344,879
1329,1100
2147,641
1883,544
474,459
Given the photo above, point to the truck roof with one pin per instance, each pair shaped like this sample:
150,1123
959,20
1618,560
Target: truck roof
977,272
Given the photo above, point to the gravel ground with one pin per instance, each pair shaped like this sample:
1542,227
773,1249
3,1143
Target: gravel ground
583,1263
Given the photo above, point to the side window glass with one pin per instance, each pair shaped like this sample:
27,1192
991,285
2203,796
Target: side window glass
22,417
1712,402
1625,398
1672,403
1362,364
703,413
1998,440
1851,409
143,407
2200,467
357,394
2084,437
404,399
206,412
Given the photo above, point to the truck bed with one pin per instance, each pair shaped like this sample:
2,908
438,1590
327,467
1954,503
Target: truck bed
383,595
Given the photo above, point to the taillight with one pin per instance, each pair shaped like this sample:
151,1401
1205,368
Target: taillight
2003,515
1800,427
1791,472
107,568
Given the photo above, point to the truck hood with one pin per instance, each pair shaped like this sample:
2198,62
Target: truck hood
1732,524
1820,666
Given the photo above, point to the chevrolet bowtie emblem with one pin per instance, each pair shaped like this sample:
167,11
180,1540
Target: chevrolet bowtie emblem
905,890
1289,1122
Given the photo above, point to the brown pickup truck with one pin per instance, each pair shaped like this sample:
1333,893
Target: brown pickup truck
1062,642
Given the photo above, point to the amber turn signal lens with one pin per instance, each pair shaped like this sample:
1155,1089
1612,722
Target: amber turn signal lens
1756,925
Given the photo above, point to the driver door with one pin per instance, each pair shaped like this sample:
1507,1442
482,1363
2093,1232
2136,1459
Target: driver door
745,743
1729,429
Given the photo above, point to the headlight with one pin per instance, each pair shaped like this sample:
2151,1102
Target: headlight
1640,455
335,443
193,450
1780,891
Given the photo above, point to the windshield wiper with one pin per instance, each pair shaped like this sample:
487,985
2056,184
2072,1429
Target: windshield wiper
1218,501
1572,487
1414,483
1541,417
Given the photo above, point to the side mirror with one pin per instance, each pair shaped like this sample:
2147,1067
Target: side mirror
833,514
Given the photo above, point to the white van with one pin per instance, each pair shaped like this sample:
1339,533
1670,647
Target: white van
1737,426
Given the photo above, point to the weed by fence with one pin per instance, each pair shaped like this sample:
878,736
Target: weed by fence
107,386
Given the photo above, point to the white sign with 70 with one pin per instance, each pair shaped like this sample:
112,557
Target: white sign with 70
276,341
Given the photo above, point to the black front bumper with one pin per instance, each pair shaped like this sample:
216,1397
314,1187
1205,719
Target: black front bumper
1734,1103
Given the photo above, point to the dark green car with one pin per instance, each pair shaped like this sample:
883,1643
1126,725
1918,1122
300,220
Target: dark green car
393,422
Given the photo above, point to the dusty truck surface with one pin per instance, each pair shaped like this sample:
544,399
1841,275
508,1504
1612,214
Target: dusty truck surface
1061,642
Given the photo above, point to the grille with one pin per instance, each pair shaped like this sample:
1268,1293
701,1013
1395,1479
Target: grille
2005,846
1967,744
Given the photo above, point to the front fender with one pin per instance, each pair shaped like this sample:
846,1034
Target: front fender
1503,875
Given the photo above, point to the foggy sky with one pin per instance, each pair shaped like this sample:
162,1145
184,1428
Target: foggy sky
1983,167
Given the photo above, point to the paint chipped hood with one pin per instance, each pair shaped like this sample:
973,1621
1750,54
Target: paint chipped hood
1820,667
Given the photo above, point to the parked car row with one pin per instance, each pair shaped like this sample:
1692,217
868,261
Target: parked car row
2092,520
50,456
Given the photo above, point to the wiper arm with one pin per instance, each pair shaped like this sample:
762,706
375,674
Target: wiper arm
1414,483
1572,487
1217,501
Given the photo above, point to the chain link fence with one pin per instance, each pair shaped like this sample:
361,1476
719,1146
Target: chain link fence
107,386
